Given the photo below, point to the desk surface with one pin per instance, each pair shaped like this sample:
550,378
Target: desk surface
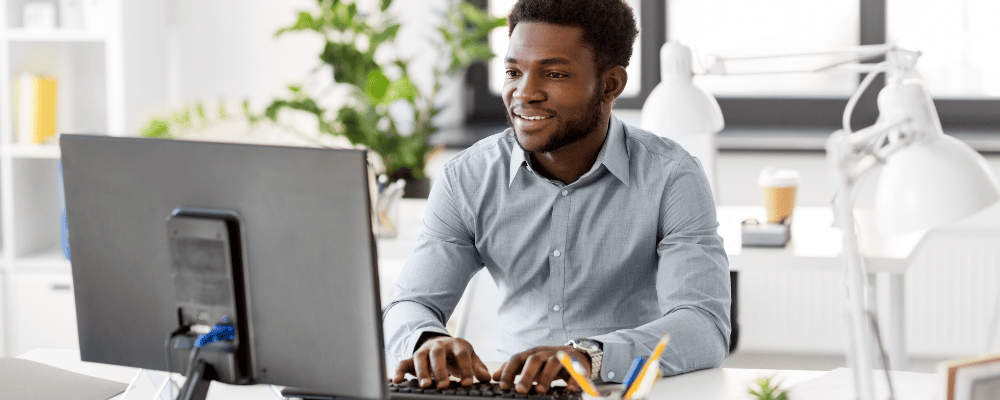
711,384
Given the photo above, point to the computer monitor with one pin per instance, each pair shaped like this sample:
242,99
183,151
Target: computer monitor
311,301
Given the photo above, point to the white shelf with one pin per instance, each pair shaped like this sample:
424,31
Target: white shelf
43,151
53,35
90,69
52,260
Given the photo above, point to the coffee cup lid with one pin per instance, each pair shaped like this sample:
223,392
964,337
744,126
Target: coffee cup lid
772,176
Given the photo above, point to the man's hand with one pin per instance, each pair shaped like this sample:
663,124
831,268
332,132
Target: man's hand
440,358
540,366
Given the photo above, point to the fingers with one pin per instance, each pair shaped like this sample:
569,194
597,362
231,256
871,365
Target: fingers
463,363
499,374
439,366
510,370
404,367
532,365
422,364
549,373
479,369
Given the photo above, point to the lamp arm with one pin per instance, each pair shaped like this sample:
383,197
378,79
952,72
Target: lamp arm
857,152
900,58
860,54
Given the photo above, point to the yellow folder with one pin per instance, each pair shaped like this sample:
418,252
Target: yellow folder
35,100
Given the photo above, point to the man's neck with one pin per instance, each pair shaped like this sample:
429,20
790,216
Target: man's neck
569,163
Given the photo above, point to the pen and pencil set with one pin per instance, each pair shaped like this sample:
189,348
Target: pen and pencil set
639,381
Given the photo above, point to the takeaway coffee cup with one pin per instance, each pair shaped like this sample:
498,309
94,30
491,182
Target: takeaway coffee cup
778,186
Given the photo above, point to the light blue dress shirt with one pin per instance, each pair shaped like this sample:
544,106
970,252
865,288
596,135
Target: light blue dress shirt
624,254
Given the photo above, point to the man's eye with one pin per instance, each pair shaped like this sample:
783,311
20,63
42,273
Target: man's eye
512,74
557,75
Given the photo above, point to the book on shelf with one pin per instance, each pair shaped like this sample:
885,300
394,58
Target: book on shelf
35,108
973,378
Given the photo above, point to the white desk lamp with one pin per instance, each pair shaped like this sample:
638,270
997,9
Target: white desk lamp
927,179
679,110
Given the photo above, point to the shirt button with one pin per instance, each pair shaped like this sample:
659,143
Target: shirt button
556,308
611,374
557,253
565,192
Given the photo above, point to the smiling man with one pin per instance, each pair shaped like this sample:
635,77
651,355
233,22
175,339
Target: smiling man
600,236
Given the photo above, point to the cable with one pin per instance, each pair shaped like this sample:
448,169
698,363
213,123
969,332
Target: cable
881,348
167,344
191,360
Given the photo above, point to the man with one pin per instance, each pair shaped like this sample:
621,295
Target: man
594,232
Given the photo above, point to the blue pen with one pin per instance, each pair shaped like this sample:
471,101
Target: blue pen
633,371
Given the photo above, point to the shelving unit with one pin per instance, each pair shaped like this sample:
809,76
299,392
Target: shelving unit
36,286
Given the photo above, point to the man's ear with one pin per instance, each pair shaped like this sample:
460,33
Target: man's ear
614,81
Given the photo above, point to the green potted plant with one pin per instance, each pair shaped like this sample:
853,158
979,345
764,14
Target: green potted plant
377,85
355,51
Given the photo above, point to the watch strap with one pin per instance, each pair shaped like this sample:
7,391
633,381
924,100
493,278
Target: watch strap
596,357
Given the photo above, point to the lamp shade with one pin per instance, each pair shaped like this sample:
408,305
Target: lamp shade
931,183
677,107
678,110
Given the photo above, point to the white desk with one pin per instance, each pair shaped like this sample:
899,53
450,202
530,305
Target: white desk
815,245
711,384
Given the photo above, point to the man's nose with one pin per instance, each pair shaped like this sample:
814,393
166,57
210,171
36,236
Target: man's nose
529,90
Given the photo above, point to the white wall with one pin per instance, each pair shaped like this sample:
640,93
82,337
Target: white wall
226,50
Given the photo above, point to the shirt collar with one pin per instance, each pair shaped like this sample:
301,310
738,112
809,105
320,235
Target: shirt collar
613,154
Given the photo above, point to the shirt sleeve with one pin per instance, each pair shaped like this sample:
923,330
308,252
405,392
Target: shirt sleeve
435,275
692,284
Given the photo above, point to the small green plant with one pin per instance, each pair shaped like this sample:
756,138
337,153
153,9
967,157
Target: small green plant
766,391
192,118
354,49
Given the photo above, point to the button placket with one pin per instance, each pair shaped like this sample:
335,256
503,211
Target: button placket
557,259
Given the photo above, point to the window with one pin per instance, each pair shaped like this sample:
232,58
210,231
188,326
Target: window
960,64
961,57
746,28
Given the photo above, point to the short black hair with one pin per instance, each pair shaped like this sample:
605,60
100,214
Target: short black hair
609,26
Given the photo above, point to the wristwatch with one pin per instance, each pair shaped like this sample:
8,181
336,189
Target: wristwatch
593,349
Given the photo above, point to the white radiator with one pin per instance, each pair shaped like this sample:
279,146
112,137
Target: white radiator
951,290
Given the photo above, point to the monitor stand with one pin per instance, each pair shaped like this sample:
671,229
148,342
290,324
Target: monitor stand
196,386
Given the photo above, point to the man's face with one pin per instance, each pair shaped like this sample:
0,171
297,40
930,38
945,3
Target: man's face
552,91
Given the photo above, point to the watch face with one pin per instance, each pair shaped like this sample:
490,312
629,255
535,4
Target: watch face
587,344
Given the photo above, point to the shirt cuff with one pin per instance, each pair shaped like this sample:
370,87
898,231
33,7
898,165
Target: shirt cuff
411,342
616,359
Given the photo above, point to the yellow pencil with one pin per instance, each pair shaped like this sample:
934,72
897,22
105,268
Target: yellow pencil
584,382
653,360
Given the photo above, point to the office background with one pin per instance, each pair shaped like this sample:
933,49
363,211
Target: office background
155,55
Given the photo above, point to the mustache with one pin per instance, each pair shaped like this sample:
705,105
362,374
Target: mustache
520,109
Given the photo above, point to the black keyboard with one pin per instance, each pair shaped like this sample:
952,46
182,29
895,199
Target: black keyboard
411,390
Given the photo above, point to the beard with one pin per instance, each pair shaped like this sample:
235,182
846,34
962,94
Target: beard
574,131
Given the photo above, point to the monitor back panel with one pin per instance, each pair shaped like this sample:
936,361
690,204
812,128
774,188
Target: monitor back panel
312,282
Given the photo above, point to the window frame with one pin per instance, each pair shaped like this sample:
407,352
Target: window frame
963,114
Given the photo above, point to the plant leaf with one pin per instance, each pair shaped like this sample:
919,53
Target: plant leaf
376,86
200,109
388,33
156,128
